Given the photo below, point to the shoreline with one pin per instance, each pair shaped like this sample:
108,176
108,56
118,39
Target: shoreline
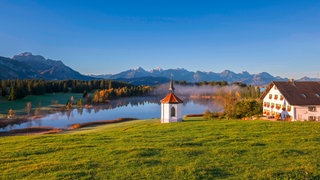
4,122
19,119
52,130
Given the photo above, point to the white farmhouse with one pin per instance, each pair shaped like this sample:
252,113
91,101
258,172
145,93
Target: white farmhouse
171,107
300,98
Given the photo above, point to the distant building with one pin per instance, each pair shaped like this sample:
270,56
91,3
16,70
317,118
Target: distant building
171,107
301,99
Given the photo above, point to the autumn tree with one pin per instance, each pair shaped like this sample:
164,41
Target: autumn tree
96,96
28,108
68,105
37,111
79,103
11,113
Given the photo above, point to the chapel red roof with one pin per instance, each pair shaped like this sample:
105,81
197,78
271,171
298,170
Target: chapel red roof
171,99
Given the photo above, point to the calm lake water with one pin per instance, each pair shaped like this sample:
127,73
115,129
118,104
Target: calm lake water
141,108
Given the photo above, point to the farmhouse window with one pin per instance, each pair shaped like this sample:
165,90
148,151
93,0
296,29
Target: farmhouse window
275,96
288,108
312,108
270,96
281,97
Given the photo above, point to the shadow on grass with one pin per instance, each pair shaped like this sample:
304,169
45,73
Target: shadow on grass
295,174
149,152
139,152
193,152
194,120
185,144
258,144
215,173
292,152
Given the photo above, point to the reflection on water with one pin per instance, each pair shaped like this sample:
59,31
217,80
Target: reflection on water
135,107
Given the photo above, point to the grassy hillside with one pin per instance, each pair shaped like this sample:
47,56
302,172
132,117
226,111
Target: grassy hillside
194,149
43,100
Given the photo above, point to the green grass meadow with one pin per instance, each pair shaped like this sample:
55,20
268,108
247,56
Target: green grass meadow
146,149
42,100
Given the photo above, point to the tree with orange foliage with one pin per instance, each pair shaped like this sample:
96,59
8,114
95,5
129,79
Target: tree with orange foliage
11,113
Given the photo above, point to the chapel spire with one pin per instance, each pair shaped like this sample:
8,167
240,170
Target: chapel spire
171,88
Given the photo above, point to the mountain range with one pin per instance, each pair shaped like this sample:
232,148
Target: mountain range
29,66
181,74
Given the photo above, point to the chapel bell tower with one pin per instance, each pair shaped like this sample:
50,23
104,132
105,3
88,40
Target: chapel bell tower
171,107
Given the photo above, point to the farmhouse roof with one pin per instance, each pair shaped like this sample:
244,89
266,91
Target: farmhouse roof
171,99
297,92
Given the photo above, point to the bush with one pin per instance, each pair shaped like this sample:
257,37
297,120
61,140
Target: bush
211,115
207,114
247,108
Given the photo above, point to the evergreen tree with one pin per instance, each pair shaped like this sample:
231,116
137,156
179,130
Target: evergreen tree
65,87
102,84
4,87
110,84
12,95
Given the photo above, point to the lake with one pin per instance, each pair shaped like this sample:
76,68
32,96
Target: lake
136,107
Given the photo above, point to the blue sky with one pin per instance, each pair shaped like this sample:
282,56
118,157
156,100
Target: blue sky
281,37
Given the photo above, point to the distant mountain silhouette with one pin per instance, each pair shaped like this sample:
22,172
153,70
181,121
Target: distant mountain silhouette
100,76
148,80
181,74
305,78
27,66
132,73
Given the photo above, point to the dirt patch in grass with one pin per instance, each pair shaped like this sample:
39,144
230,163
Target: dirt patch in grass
194,115
31,130
95,123
51,130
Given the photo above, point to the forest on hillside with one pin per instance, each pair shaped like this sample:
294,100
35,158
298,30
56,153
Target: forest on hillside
17,89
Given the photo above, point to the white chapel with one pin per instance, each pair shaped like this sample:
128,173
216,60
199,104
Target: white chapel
171,107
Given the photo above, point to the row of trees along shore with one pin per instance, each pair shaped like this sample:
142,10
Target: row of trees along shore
242,90
241,102
17,89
